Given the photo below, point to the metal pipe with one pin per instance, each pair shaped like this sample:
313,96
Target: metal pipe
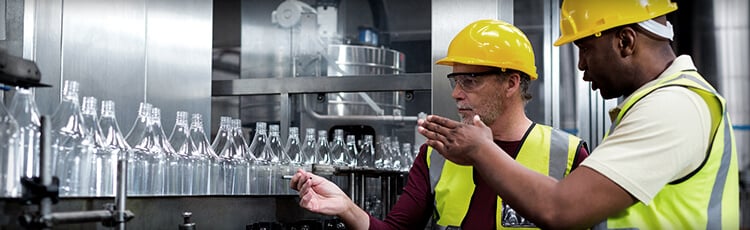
352,184
362,189
45,205
357,118
121,196
77,217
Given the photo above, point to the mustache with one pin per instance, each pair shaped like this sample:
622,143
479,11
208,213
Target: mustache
460,106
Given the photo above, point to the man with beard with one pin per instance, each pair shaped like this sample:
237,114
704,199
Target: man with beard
669,160
493,64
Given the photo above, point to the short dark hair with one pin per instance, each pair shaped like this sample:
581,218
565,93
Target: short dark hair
524,82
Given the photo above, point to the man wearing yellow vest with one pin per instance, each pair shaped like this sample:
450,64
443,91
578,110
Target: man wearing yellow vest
493,65
668,162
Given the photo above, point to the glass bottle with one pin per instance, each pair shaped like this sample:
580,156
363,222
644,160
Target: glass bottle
308,148
236,160
278,160
140,126
10,168
339,157
204,178
223,143
275,150
351,146
102,173
179,139
239,137
339,153
71,147
222,135
24,110
260,140
293,149
167,159
322,148
293,152
113,143
408,159
395,154
382,160
140,174
260,165
180,136
366,156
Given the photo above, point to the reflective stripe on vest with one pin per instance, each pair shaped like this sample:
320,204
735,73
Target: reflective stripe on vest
545,150
705,199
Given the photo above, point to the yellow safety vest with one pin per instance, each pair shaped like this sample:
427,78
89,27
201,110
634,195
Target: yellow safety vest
545,150
707,198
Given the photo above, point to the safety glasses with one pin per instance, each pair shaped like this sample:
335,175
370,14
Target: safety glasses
470,81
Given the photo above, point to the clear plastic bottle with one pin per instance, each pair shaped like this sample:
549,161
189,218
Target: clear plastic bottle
200,147
71,146
24,110
308,148
322,148
367,153
339,153
113,143
351,146
10,169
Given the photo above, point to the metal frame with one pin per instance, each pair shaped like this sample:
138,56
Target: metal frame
288,86
551,64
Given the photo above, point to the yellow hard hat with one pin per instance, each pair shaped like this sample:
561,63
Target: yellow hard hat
492,43
583,18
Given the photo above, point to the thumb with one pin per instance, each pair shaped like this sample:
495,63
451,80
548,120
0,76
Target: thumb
478,122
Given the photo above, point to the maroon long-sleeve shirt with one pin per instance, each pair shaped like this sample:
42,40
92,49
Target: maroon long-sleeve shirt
415,206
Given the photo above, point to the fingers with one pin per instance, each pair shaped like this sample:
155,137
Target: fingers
306,200
299,179
430,135
440,126
442,121
437,145
306,186
478,121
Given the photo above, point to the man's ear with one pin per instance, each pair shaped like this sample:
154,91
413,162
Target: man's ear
513,83
626,38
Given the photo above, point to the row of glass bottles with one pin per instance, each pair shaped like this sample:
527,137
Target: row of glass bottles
83,157
86,148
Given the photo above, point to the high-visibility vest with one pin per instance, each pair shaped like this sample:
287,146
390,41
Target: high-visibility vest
544,149
707,198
